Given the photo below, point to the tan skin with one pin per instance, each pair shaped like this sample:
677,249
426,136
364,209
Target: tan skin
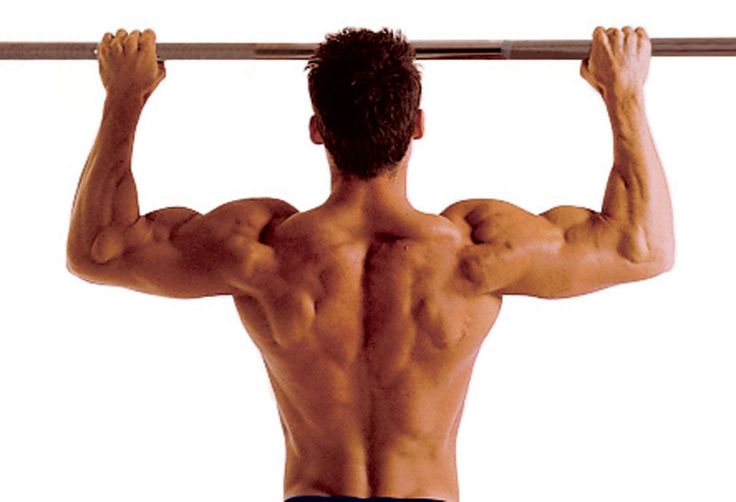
368,313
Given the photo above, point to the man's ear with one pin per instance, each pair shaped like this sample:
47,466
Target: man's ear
314,133
419,127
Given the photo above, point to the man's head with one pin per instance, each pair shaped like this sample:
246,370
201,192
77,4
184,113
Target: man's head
365,91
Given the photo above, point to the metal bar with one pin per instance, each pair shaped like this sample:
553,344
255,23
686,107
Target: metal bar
426,49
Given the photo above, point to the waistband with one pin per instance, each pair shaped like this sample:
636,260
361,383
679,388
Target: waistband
320,498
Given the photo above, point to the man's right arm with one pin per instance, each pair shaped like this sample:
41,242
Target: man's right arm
569,251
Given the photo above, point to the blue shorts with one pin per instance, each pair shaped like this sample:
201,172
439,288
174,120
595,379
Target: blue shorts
319,498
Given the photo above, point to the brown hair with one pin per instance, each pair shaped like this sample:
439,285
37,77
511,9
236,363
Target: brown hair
365,91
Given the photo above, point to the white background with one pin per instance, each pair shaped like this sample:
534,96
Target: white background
110,395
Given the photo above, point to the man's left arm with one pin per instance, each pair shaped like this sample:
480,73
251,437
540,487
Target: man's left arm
568,250
171,252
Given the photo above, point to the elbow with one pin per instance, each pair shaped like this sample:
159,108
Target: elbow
650,257
666,250
87,269
666,260
88,262
664,253
657,261
81,265
660,263
78,267
76,259
667,255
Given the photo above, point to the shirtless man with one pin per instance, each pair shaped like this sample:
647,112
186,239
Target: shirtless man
368,313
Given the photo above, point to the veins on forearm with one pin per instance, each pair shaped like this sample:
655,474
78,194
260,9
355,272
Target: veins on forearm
634,153
107,194
636,178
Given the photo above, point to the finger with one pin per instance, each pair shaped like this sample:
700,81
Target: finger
600,38
630,38
600,34
148,34
104,47
116,45
147,41
643,41
616,38
130,45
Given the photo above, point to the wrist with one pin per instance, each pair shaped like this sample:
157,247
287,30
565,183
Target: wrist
620,96
627,113
124,98
124,104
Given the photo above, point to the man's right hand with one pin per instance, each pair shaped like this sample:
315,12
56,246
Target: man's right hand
619,61
128,64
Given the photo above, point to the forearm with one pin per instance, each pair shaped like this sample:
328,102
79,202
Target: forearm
106,196
637,201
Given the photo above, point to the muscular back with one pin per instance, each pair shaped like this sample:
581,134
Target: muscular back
368,330
369,319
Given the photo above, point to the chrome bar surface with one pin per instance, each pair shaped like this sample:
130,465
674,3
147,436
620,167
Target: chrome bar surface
426,49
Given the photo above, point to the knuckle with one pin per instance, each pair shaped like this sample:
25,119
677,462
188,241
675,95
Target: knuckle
599,32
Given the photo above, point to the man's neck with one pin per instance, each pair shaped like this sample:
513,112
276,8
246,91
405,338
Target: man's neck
384,193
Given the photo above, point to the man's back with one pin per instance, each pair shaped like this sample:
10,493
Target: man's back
369,330
369,314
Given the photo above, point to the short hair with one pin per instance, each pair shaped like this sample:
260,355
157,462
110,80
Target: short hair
365,91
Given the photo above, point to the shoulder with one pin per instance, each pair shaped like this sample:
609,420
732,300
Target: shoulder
485,220
255,210
474,210
254,217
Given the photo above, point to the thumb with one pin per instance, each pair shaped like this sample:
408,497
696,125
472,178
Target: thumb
584,70
588,76
161,70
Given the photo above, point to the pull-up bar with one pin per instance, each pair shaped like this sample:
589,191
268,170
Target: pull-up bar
426,49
